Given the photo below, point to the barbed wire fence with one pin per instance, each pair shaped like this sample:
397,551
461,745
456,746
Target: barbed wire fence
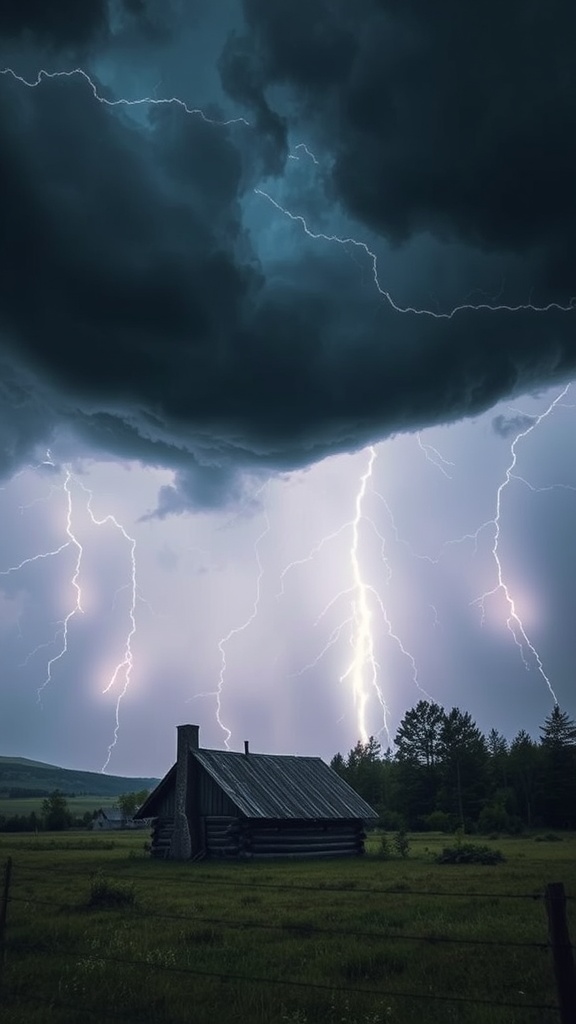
553,898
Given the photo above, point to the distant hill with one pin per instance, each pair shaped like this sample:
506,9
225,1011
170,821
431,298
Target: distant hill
18,773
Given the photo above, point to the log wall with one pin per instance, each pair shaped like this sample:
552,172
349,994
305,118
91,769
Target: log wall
162,832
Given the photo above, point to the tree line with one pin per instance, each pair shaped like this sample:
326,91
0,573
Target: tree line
445,774
55,814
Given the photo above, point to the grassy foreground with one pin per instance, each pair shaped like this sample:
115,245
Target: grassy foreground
218,943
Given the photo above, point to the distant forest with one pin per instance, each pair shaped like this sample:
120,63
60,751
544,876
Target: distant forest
445,774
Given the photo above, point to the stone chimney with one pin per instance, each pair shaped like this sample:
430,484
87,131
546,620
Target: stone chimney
181,845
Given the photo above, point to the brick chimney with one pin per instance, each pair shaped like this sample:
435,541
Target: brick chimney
181,845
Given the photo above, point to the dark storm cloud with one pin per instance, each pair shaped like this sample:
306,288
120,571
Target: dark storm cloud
451,118
505,426
72,25
132,293
62,23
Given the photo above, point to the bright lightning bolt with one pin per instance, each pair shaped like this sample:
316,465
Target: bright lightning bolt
513,621
363,669
363,659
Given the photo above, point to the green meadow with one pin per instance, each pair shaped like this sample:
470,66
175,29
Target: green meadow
96,930
78,805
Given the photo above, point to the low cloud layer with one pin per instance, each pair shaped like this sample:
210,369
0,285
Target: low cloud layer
135,311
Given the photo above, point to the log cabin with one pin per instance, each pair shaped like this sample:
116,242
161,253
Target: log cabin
224,804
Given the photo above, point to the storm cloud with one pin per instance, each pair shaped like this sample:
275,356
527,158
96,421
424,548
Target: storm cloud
134,301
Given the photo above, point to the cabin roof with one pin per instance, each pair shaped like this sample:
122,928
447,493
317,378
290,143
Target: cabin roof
283,786
112,814
274,786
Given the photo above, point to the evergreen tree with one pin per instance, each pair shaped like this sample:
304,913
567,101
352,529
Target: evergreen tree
558,778
464,766
558,731
523,764
364,770
497,747
418,753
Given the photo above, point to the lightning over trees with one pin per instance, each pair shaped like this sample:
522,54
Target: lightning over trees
444,773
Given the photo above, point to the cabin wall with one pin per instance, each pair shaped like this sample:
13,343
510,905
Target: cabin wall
165,807
330,838
222,835
161,838
229,836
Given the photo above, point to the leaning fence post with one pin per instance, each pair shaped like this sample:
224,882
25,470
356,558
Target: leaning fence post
4,910
562,955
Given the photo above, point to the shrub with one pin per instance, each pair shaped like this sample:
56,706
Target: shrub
402,843
385,851
104,893
494,818
469,853
549,837
438,821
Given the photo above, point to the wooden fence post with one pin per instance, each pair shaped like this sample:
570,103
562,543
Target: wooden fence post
564,970
4,910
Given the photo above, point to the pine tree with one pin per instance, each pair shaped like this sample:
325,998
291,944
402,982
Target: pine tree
558,779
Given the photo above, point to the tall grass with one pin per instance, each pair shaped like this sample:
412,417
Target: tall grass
352,928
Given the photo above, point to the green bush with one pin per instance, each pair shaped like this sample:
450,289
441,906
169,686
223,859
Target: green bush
438,821
104,893
402,844
549,837
469,853
385,851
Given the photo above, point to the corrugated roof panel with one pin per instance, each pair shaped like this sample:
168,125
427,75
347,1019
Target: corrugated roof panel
277,786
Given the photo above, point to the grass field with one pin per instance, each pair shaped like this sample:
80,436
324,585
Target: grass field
78,805
320,942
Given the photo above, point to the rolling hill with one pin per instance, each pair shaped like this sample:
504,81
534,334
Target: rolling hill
20,774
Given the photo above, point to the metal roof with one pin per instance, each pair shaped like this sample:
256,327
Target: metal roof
281,786
112,814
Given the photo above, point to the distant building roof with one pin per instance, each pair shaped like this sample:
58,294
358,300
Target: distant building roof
112,814
274,786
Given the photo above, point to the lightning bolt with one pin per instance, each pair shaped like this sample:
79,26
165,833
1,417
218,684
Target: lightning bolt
77,606
143,101
234,631
126,664
363,670
297,218
432,455
345,241
513,621
363,661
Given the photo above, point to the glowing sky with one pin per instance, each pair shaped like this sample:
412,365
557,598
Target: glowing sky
186,337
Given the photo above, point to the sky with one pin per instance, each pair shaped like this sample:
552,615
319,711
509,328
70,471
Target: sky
287,337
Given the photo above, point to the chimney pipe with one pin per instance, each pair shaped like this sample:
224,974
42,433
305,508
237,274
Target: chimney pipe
246,748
